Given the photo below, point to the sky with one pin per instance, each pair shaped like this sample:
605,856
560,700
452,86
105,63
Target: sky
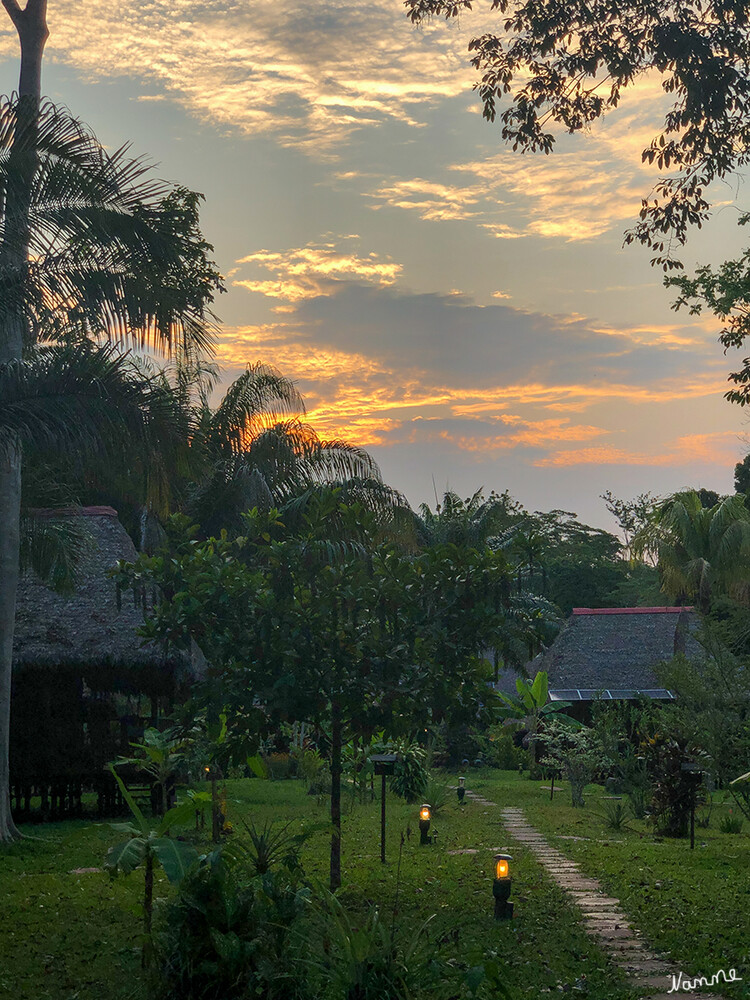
466,313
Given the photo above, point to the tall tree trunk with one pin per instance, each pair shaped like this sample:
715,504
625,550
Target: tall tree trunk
335,880
31,24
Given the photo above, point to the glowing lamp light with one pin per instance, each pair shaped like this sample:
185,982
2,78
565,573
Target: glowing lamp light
425,817
501,887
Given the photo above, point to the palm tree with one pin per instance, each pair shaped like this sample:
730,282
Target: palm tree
699,550
90,246
256,450
473,522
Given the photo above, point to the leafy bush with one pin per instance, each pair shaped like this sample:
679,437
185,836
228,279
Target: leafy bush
226,937
279,766
454,743
673,788
578,753
313,769
411,774
500,750
731,823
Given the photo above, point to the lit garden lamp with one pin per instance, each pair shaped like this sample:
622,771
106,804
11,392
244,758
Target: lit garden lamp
461,790
501,887
425,818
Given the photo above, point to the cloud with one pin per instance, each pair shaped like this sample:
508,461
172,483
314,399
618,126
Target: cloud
310,74
588,185
312,270
720,448
434,202
524,433
382,366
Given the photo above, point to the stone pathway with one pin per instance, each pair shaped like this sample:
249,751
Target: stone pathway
603,919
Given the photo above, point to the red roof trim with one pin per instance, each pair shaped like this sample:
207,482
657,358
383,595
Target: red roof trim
629,611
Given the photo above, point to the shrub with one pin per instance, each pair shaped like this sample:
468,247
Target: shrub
500,750
279,766
638,800
615,812
437,793
313,769
455,743
672,787
269,847
578,753
731,823
227,937
411,774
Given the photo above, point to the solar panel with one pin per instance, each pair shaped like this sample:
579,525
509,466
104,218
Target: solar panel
609,694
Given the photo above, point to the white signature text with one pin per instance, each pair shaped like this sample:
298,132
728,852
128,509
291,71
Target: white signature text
687,985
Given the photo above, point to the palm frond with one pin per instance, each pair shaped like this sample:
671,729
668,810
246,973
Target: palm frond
79,398
52,549
253,402
106,249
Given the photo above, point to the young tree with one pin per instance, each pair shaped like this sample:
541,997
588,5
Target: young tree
326,625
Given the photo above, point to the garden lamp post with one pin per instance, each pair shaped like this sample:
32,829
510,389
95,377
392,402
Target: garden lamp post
501,887
461,790
383,764
425,818
695,775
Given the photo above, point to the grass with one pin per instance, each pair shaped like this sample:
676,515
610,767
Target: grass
692,905
73,935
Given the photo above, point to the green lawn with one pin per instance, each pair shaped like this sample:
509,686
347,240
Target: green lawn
68,934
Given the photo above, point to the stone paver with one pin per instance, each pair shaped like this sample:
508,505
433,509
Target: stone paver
602,916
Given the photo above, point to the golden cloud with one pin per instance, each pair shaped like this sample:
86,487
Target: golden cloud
721,448
360,398
300,72
308,271
575,194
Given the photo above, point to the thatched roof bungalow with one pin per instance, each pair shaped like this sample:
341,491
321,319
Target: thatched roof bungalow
612,653
84,682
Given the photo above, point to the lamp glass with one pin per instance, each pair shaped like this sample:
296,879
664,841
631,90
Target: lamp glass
424,812
502,868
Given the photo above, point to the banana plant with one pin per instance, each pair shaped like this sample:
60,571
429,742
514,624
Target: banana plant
160,755
531,707
149,845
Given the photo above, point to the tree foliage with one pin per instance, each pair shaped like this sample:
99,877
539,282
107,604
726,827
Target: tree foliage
325,624
700,551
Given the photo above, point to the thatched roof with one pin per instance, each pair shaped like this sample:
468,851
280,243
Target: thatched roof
613,652
87,628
